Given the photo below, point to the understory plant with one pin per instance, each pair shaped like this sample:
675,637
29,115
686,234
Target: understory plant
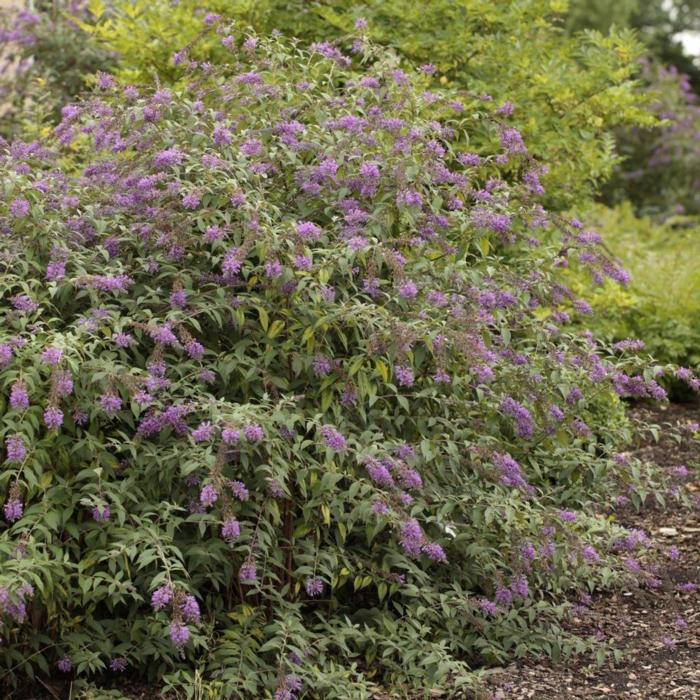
45,60
288,407
659,174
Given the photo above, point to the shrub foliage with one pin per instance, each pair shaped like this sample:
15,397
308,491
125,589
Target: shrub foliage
286,397
571,92
661,305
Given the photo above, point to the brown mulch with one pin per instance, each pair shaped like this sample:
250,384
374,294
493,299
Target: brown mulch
656,629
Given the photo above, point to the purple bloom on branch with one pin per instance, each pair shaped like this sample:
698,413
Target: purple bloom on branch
208,496
314,587
19,398
110,403
435,552
13,510
190,609
118,664
179,634
230,436
161,597
231,529
308,231
523,419
248,573
411,539
101,514
253,433
404,375
408,290
203,432
333,438
16,450
52,356
53,418
19,208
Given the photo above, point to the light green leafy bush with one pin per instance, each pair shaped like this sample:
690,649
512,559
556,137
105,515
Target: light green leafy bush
661,306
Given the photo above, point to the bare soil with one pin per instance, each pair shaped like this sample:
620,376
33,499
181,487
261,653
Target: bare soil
656,629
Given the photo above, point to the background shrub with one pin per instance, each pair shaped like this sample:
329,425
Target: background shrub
660,171
661,306
46,61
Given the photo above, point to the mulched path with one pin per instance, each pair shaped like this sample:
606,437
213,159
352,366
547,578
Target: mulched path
656,629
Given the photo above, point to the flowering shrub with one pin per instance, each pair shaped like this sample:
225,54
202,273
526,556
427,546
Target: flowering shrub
45,60
503,56
277,412
660,172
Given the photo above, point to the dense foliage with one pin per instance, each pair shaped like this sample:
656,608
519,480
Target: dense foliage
570,92
658,23
661,171
661,306
278,415
46,60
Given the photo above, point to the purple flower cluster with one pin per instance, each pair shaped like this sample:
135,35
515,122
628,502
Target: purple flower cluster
248,573
19,398
288,688
404,375
13,508
203,432
231,529
313,587
53,418
411,539
110,403
308,231
52,356
101,514
509,470
208,496
322,365
179,634
19,208
118,664
16,449
253,432
334,440
189,608
524,424
64,665
162,597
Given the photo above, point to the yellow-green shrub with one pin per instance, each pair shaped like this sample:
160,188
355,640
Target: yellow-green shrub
662,304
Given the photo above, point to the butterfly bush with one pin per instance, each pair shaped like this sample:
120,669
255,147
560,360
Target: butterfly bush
660,172
45,58
290,388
